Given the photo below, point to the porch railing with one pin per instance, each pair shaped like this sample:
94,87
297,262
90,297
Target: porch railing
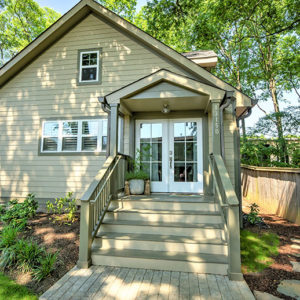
95,202
225,194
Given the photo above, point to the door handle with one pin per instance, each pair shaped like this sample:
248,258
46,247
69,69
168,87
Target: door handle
170,159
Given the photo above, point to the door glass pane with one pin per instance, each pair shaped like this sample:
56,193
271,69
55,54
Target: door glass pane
156,174
151,149
191,151
145,151
156,132
156,152
191,131
179,151
179,131
145,132
191,172
146,167
179,172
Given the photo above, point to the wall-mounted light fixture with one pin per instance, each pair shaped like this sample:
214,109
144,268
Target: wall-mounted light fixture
165,109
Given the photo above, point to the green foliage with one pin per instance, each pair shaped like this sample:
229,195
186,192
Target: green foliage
8,237
28,254
64,207
13,291
124,8
259,151
45,267
258,250
253,217
17,213
2,210
139,174
20,23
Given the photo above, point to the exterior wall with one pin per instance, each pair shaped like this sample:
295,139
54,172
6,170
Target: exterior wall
48,88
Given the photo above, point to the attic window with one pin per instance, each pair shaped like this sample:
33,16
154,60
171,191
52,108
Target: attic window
89,66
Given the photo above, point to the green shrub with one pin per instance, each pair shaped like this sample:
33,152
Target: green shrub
253,217
28,254
66,206
137,175
2,210
17,213
46,266
8,237
8,257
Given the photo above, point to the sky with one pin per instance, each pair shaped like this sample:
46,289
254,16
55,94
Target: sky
62,6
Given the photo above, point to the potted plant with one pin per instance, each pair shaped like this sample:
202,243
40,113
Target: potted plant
136,177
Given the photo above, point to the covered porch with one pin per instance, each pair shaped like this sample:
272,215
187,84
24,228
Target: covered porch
182,120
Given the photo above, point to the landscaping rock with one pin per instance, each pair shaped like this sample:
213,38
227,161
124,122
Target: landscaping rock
290,288
295,240
264,296
295,246
296,266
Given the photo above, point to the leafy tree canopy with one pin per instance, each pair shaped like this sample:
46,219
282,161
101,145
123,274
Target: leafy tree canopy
20,23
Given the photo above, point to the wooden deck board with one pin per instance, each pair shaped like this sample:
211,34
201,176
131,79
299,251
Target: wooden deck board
102,282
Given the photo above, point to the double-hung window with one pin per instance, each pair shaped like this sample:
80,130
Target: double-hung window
74,136
89,66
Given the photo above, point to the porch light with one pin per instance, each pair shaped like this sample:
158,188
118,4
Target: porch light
165,109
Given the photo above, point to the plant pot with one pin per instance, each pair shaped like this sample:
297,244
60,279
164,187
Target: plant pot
136,186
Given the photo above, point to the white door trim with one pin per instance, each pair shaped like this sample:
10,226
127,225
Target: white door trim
167,184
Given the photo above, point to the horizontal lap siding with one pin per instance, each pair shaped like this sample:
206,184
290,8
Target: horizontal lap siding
48,88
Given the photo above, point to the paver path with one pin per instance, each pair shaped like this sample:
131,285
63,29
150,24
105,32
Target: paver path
101,282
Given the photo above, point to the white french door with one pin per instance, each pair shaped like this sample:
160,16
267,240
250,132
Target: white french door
171,153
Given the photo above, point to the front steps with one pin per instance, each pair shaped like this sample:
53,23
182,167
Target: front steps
163,232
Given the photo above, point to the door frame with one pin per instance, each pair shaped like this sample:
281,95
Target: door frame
165,185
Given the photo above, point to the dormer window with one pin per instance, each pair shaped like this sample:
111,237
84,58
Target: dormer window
89,66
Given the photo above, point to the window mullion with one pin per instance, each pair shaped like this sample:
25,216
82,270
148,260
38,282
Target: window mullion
60,135
79,136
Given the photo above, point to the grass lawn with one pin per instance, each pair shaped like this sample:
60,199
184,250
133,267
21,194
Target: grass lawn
258,250
13,291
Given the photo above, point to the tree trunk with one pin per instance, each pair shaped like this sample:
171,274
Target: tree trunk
282,143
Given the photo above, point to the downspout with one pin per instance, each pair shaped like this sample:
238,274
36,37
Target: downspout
106,108
227,101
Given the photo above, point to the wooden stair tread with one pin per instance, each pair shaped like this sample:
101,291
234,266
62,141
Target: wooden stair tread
163,224
159,238
162,211
163,255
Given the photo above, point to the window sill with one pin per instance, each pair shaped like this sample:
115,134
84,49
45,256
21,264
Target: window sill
88,83
72,153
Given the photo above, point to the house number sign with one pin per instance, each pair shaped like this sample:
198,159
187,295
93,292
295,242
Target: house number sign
216,120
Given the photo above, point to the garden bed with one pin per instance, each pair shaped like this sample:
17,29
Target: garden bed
55,238
281,268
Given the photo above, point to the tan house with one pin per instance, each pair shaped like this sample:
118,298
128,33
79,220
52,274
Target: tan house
89,92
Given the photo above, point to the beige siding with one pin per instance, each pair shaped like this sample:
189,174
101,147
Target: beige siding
47,88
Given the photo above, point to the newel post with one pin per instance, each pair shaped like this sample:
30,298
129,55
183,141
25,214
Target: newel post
234,271
85,235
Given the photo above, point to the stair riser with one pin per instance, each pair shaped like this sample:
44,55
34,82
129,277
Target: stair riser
189,232
156,264
167,218
106,243
212,207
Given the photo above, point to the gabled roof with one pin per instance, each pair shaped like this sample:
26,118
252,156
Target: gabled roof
80,11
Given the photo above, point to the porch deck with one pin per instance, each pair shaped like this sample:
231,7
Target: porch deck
102,282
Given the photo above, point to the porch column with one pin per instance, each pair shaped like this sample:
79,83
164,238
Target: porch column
216,130
113,129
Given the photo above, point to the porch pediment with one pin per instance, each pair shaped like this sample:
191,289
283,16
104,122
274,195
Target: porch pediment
164,87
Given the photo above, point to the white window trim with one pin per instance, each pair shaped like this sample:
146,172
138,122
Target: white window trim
79,136
90,66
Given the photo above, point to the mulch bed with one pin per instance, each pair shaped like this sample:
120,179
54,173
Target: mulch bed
269,279
55,237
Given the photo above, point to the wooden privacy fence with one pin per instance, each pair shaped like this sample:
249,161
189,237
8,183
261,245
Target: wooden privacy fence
276,190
